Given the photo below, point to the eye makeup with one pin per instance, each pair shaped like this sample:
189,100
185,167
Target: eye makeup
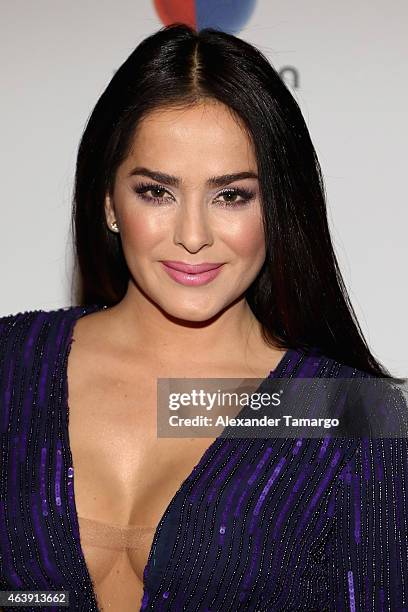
246,195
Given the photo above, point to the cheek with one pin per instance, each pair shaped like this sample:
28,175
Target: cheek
141,232
245,236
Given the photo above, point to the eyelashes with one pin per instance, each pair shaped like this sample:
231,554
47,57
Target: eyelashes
246,195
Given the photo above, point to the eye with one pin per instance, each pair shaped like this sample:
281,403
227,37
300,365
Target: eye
245,194
158,192
143,188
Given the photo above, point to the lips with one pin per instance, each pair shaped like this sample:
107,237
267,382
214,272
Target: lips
191,268
192,275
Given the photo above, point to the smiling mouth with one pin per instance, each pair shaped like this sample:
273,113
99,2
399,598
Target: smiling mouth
192,278
191,268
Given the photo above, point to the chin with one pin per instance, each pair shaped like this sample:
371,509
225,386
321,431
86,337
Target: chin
196,312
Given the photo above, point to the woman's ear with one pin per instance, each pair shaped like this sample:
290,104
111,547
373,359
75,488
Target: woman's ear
110,214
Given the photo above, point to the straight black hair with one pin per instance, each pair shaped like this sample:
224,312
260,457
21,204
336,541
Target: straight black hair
299,296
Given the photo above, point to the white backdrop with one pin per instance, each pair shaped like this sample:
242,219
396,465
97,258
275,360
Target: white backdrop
351,56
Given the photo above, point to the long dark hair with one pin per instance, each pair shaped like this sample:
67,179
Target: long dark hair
299,296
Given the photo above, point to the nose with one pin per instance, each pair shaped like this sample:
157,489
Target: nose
192,227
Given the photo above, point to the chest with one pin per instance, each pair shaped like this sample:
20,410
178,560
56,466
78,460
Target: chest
125,477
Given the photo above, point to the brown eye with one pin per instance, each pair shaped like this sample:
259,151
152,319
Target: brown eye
230,195
245,194
156,190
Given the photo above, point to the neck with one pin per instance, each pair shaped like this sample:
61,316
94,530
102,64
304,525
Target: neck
140,322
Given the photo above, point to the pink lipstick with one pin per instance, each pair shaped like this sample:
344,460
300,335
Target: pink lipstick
191,274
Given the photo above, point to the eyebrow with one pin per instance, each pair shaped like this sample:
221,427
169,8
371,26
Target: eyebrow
174,181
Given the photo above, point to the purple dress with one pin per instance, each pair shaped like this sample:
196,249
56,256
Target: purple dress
262,525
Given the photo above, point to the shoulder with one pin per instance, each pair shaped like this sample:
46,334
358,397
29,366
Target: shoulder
313,362
22,318
18,328
26,319
34,333
34,348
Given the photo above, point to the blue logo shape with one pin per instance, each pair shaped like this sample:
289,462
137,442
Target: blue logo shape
226,15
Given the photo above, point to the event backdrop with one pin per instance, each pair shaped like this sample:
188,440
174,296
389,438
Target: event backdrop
345,63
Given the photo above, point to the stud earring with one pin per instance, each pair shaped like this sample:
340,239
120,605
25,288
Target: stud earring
114,226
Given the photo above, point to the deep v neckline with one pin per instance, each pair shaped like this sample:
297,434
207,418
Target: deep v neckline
78,312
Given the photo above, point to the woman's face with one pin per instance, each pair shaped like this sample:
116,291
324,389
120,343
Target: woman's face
193,213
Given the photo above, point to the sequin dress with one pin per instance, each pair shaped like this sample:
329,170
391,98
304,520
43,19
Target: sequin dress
262,525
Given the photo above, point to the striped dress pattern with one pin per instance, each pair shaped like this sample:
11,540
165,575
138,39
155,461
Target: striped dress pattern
259,525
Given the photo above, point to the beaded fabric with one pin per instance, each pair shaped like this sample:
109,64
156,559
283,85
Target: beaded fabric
262,525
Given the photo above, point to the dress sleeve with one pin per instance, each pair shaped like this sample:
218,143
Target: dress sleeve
369,561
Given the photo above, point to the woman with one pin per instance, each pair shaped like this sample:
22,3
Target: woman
197,155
